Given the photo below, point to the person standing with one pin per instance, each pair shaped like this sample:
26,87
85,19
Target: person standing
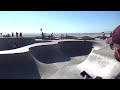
12,34
103,35
16,34
42,34
20,34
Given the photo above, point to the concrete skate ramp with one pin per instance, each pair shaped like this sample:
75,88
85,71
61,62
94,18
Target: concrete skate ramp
101,63
18,66
45,70
46,55
86,38
63,50
38,61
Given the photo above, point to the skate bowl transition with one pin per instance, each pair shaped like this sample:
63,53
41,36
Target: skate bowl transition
8,43
56,59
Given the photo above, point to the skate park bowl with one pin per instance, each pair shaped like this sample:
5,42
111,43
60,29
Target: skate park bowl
59,59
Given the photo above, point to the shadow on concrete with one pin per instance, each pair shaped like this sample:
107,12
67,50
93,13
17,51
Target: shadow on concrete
42,41
18,66
48,54
61,52
8,43
87,38
70,37
75,48
37,63
117,77
98,37
51,38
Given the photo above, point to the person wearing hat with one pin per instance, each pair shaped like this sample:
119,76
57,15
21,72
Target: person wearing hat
114,42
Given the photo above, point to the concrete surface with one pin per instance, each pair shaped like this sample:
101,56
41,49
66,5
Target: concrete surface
58,59
101,63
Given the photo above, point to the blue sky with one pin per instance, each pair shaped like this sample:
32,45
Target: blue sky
58,21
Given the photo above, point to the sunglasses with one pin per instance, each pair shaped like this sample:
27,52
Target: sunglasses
111,46
115,46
